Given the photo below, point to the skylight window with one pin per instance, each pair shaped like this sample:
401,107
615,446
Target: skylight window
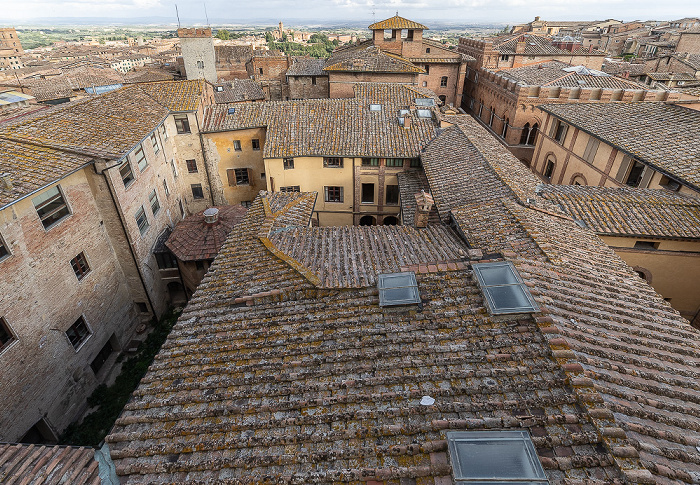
375,107
425,102
494,457
424,113
503,288
398,289
231,111
403,112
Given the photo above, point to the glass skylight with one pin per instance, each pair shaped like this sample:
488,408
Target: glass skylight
398,289
503,288
231,111
425,102
375,107
424,113
494,457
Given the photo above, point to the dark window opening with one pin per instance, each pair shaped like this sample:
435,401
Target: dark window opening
197,191
80,266
390,221
367,193
242,177
368,221
4,252
6,336
256,144
334,194
392,194
290,188
102,357
332,162
166,260
126,173
78,333
635,175
443,82
142,307
646,245
549,170
191,166
370,162
51,207
237,145
288,163
182,124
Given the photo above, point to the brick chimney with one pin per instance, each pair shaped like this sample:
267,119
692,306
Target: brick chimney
424,203
5,181
520,46
406,121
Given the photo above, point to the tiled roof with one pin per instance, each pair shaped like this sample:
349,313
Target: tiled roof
193,239
48,465
397,22
238,90
552,74
332,127
538,45
55,87
661,135
693,91
627,211
439,53
671,76
369,59
638,353
691,60
176,95
147,76
411,182
107,126
32,167
86,77
302,66
617,68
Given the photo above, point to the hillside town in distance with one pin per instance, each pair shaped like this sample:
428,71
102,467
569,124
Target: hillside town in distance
397,254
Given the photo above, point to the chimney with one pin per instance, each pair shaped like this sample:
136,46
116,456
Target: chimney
406,121
211,216
520,46
424,202
5,181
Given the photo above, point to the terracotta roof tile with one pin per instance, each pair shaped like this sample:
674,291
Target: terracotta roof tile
50,465
302,66
238,90
397,22
369,59
176,95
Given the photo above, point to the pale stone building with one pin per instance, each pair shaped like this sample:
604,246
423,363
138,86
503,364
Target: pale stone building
198,53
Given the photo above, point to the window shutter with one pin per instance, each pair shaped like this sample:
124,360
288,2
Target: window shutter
646,177
341,194
553,129
231,175
591,149
624,168
250,176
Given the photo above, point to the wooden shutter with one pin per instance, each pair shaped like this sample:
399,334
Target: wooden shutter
231,175
591,149
624,168
646,177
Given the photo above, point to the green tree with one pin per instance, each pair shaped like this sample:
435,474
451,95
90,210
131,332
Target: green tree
223,34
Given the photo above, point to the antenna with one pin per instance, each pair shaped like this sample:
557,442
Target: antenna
205,13
178,16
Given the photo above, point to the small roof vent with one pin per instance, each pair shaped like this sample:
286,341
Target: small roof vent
231,111
398,289
211,215
219,89
503,288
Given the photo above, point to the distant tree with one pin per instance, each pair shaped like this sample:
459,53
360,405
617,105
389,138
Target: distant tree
284,37
268,38
223,34
506,29
102,41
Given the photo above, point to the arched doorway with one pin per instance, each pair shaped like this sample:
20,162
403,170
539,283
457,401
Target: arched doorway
390,221
368,221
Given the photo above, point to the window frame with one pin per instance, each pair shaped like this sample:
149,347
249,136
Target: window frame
370,162
255,143
166,189
192,167
163,131
124,176
242,176
333,162
290,188
173,167
387,192
394,162
143,227
591,149
11,335
4,249
364,191
58,210
141,159
83,338
182,124
333,190
288,163
79,271
154,143
237,147
443,81
201,190
154,201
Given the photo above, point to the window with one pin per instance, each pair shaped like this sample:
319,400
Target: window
200,64
237,145
102,357
635,175
246,203
415,163
163,131
126,173
153,200
591,149
4,251
80,266
288,163
154,142
78,333
443,82
398,289
427,69
313,80
427,50
394,162
333,194
219,89
51,207
503,289
260,70
256,144
392,194
166,189
646,245
375,107
197,192
558,131
142,307
140,157
166,260
6,336
367,193
191,166
182,209
494,457
504,57
549,169
141,220
332,162
290,188
199,265
172,165
370,162
443,99
182,124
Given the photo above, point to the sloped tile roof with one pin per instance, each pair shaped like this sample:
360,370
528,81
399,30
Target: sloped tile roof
369,59
147,76
627,211
55,87
661,135
670,76
411,182
439,53
332,127
238,90
85,77
396,22
193,239
538,45
617,68
32,167
552,74
302,66
48,465
176,95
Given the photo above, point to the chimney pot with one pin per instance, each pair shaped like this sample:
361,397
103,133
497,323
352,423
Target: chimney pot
211,215
6,181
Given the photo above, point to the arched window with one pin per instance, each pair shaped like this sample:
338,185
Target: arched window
525,134
368,221
390,221
491,118
505,128
532,136
549,168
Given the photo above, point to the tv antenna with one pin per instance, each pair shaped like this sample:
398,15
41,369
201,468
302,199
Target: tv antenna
205,13
178,16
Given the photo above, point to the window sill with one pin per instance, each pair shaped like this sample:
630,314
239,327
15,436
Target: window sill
57,223
82,344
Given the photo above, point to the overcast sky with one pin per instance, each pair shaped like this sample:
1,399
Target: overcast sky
465,11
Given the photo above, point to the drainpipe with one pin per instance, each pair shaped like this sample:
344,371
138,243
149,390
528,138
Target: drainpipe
126,235
204,156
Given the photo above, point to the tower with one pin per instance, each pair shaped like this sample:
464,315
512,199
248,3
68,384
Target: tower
198,53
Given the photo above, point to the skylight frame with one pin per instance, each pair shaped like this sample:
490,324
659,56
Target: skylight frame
427,102
375,108
517,285
534,476
402,280
424,114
